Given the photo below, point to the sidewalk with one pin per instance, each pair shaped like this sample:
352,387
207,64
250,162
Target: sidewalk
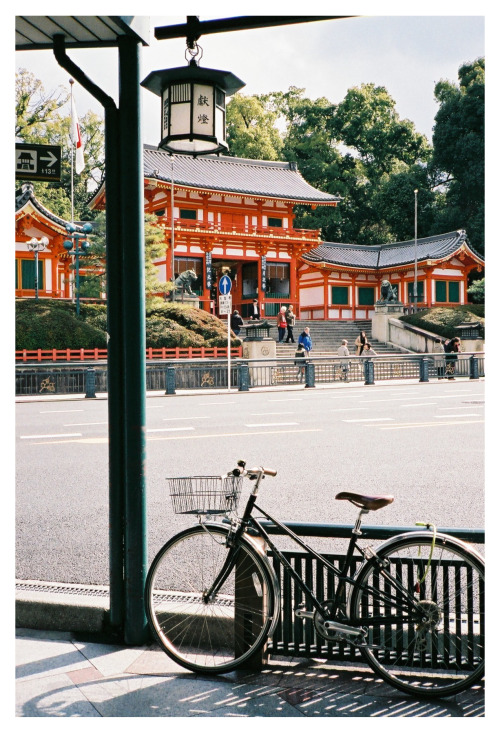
72,670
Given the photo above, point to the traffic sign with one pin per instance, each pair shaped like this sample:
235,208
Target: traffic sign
38,162
225,304
225,285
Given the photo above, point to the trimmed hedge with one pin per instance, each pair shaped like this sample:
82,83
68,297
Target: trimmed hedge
53,324
443,321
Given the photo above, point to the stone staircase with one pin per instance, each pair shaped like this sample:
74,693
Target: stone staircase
327,335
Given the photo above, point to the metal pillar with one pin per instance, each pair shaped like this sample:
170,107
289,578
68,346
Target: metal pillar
134,340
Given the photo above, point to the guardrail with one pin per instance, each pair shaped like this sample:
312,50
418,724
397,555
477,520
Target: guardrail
297,638
101,354
171,375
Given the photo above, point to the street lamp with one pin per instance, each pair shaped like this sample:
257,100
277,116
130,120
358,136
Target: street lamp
415,284
36,246
77,246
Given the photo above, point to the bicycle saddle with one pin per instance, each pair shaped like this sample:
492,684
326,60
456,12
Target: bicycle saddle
371,503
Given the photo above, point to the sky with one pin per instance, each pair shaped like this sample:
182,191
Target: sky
405,54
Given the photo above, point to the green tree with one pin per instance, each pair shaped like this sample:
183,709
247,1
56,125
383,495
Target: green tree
39,120
458,157
251,130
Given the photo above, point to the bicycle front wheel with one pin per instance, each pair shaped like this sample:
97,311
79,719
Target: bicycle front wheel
425,619
218,634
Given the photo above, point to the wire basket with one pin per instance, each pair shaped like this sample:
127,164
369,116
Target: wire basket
212,494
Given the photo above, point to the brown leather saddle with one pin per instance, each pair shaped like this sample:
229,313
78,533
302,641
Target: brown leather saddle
371,503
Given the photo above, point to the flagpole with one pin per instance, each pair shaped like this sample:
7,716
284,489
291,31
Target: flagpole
71,82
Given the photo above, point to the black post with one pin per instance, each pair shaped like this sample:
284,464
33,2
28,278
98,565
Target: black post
424,369
90,383
310,376
473,368
369,372
243,377
170,380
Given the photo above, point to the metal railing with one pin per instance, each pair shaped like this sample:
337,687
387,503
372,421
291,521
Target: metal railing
167,376
297,637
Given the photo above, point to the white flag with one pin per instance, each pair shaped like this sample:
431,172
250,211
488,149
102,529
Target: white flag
76,139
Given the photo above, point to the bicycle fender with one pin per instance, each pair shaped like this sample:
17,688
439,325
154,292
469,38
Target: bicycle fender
445,538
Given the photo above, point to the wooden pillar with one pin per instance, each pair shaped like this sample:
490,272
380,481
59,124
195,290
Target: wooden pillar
325,295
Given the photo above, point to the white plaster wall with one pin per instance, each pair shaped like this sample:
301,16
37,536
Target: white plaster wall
311,296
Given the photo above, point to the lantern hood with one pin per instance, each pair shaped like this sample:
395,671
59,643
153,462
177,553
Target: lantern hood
156,81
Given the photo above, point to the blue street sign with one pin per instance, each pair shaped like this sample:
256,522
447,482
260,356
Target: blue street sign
225,285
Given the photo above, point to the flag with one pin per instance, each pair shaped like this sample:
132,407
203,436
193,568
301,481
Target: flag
76,139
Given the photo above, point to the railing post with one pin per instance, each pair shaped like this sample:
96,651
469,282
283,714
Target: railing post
310,376
90,383
473,368
170,380
424,369
369,372
243,377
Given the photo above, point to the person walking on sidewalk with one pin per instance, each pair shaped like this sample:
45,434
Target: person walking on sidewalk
439,362
290,322
281,323
344,363
305,340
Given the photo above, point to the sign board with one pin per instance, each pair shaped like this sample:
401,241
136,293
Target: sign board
225,285
263,270
225,304
208,270
38,162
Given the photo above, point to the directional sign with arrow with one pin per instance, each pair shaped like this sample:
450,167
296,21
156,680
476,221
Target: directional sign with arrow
38,162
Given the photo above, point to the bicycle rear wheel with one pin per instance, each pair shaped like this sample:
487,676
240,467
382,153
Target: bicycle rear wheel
435,648
221,634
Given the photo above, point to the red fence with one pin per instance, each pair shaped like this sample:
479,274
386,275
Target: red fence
100,354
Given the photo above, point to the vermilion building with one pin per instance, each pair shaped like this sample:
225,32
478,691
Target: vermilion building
236,216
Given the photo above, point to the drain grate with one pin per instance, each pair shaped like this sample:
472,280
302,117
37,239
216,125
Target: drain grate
62,589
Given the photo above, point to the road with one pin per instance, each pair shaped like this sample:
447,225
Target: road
423,443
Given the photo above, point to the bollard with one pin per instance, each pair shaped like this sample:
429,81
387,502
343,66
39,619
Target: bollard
310,376
424,369
90,383
369,372
170,380
243,377
473,368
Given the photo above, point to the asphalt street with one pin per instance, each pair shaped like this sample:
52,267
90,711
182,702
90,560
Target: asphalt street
423,443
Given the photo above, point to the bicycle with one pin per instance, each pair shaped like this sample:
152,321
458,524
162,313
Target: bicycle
414,609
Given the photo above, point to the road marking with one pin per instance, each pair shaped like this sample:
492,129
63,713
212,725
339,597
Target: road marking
349,409
44,437
437,416
218,435
293,399
83,424
214,403
171,429
371,419
172,419
422,404
273,424
61,411
470,406
269,414
403,426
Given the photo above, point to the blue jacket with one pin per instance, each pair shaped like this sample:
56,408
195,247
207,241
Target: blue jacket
306,341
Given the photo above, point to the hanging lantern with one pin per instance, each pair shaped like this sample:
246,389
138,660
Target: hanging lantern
193,107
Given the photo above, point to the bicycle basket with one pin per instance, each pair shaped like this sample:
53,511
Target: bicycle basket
213,494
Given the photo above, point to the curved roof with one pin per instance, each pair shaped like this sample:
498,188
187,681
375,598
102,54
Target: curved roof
264,178
438,247
26,195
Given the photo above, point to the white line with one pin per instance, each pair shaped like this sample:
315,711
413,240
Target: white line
82,424
439,416
38,437
171,429
423,404
173,419
348,409
371,419
269,414
274,424
60,411
286,400
470,406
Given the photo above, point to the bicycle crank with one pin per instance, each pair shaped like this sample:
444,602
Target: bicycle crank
331,629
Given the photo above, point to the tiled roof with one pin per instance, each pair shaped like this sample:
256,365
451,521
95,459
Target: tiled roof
235,175
26,195
395,254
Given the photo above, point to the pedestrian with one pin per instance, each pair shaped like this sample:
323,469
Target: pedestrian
439,361
255,310
368,350
451,349
344,363
306,340
290,322
360,343
236,322
281,323
300,355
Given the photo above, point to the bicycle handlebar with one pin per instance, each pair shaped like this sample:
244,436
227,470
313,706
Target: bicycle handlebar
252,473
